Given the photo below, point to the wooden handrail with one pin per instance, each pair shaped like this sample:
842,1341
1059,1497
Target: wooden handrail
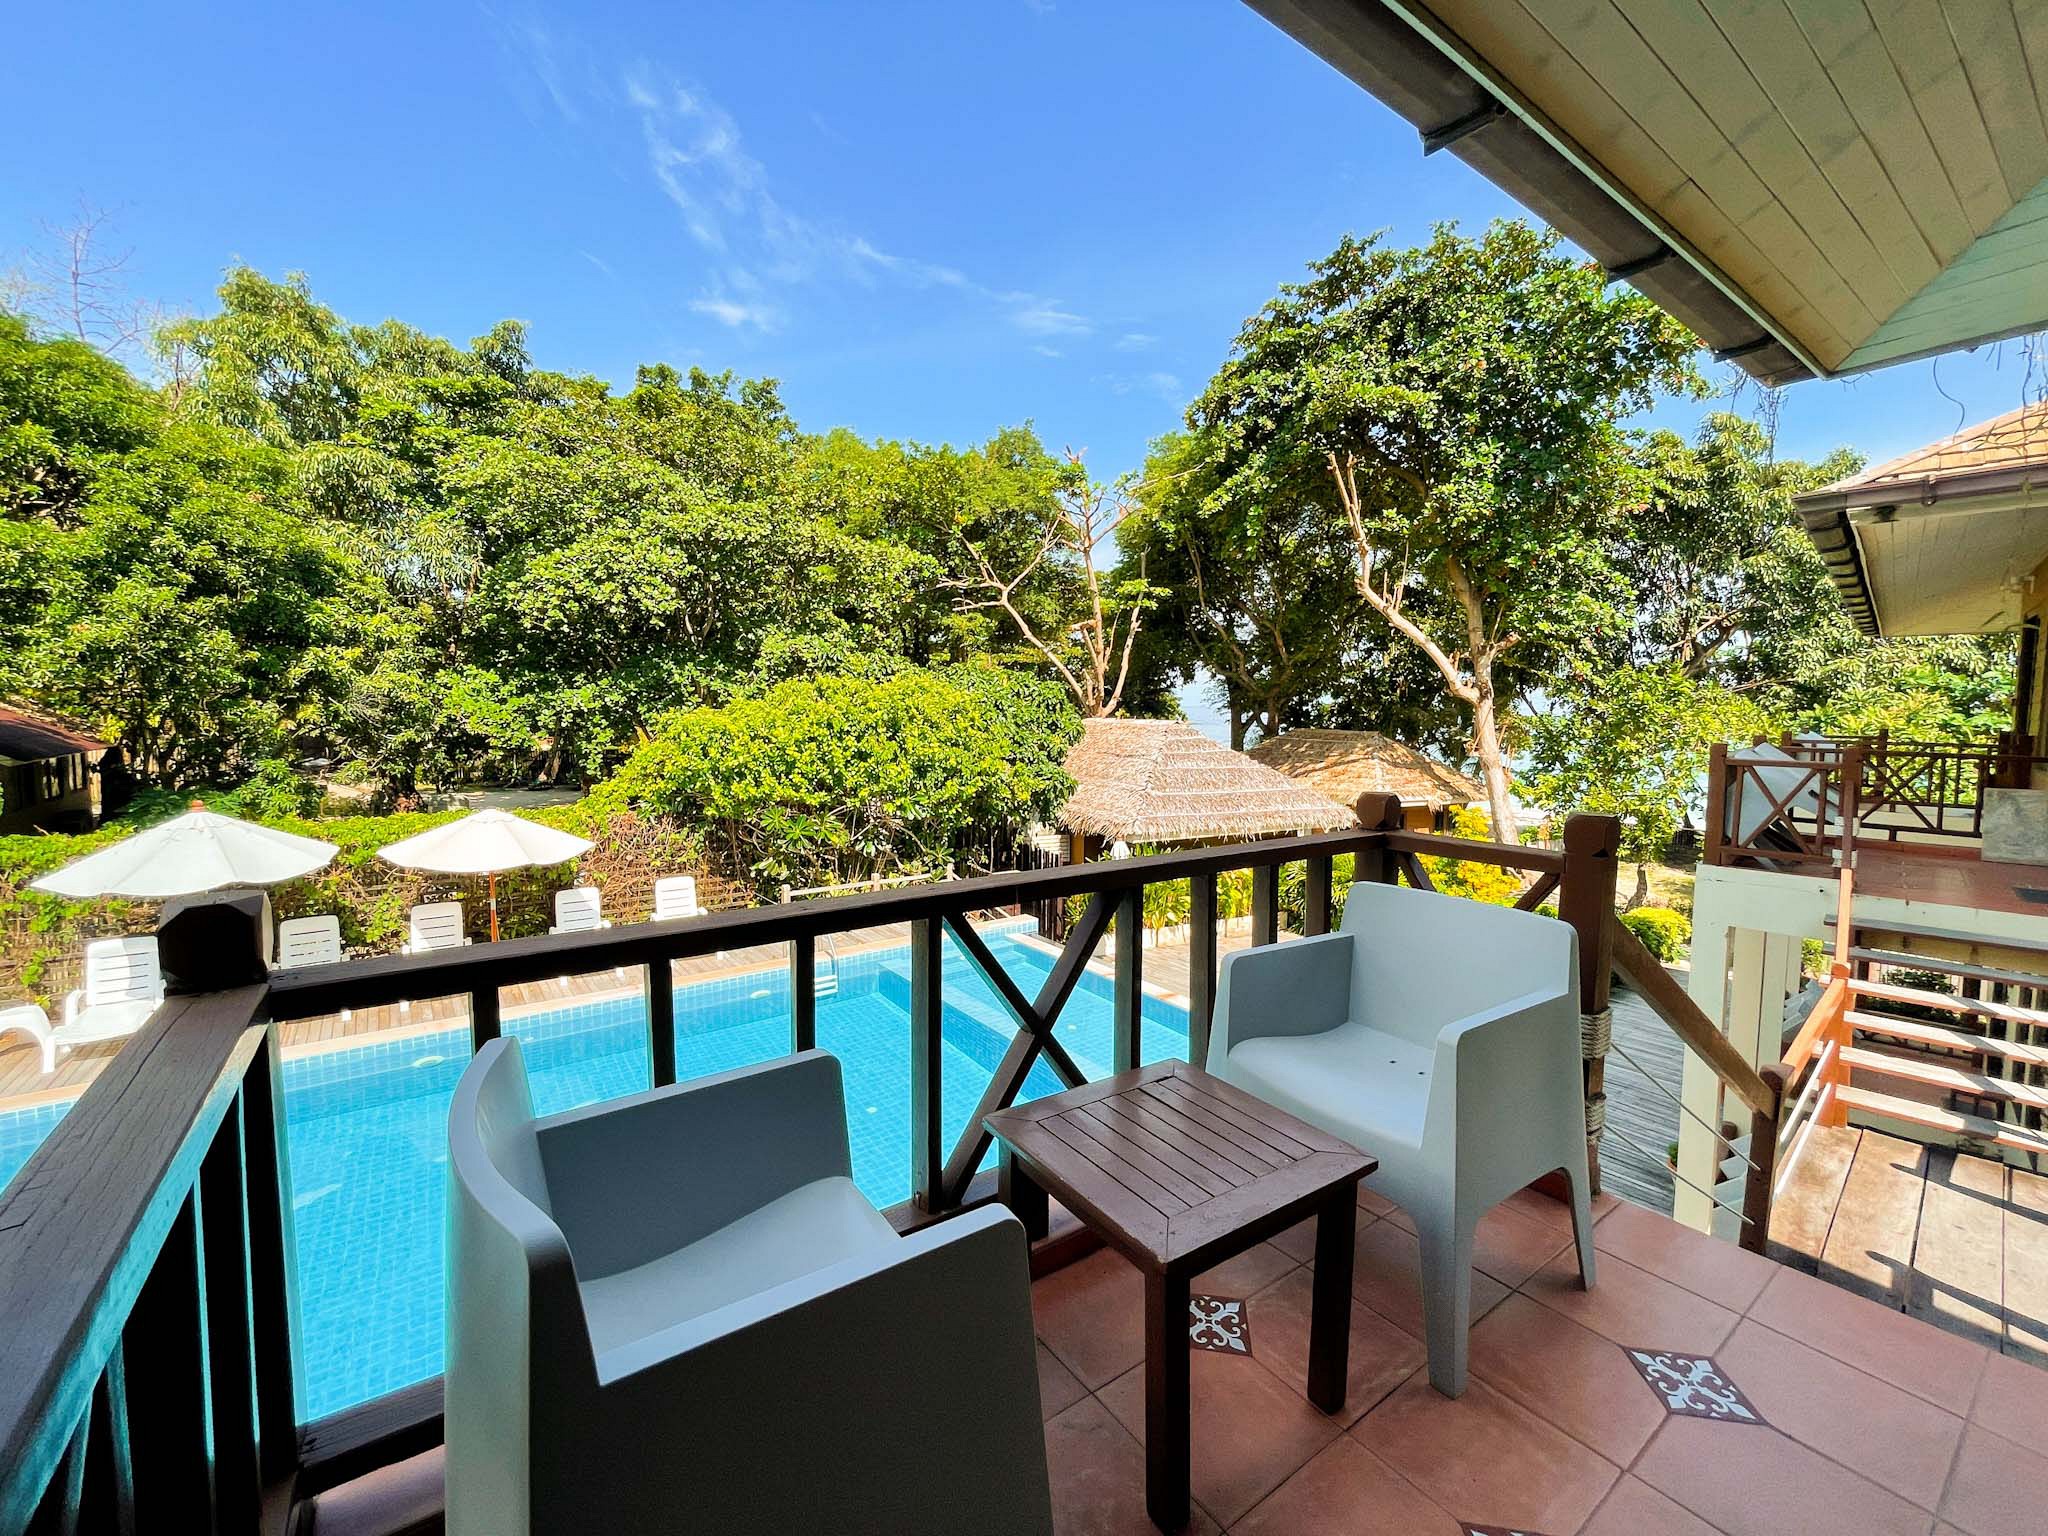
1479,851
105,1225
1834,1001
1672,1004
323,989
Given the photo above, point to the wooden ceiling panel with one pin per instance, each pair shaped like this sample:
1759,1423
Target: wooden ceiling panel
1924,54
1994,62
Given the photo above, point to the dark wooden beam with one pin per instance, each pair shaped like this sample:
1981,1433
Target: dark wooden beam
927,1089
1127,1021
1201,965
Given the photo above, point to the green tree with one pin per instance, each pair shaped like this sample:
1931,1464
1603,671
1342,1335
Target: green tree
1459,406
829,777
1632,742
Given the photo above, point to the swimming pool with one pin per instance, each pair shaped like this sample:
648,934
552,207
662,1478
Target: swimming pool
366,1126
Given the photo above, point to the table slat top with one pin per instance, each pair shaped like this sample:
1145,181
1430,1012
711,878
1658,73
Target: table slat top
1168,1161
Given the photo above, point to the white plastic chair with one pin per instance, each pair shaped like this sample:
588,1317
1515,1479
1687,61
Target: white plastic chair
1441,1035
308,941
579,909
123,987
654,1303
434,925
29,1019
676,896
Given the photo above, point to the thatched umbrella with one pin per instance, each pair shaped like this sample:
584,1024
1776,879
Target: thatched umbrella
1347,764
1163,781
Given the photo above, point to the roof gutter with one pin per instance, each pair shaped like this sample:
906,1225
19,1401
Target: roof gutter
1835,537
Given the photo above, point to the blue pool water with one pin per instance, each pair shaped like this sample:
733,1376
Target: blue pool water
367,1125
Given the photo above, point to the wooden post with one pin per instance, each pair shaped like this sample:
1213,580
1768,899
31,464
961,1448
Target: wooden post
1128,1021
483,1017
273,1273
1316,899
1715,851
1763,1167
661,1023
166,1369
927,1100
1201,965
1377,812
1265,903
230,1338
803,992
1585,899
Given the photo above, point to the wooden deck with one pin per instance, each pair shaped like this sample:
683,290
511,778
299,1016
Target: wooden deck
1957,1240
1952,875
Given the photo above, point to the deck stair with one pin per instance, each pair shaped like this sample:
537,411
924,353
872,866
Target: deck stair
1970,1063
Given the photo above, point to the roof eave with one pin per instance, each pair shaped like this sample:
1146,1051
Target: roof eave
1403,56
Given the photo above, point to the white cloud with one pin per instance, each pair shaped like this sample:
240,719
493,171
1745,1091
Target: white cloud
598,262
1044,351
1167,384
1135,341
537,56
1045,317
736,314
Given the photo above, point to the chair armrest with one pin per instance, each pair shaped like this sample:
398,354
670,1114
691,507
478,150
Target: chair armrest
73,1001
1302,987
1497,1073
917,1357
641,1176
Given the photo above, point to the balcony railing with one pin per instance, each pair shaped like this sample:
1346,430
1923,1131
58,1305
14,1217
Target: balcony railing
1800,802
147,1372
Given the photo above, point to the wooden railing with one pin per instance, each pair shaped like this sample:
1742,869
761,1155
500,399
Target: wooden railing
1874,788
146,1357
145,1251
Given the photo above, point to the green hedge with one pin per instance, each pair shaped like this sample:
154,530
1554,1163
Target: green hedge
1665,933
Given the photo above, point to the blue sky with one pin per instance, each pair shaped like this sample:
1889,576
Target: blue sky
928,220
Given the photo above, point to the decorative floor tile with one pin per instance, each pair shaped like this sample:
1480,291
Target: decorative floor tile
1498,1530
1221,1323
1694,1386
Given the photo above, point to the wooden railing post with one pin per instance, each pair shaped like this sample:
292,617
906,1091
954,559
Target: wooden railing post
273,1266
1763,1166
1717,797
1265,903
1377,811
1127,1022
661,1023
927,1099
1315,902
1585,899
1201,965
1851,794
483,1017
803,992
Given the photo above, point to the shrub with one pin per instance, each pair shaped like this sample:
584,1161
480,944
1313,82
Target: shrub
823,779
1664,932
1463,877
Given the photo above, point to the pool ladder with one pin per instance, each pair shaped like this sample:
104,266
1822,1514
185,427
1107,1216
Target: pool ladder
825,971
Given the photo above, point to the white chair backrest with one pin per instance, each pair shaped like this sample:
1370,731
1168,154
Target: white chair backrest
579,909
675,896
436,925
122,971
1423,959
308,941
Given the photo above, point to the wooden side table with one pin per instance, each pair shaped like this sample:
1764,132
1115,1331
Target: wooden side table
1178,1171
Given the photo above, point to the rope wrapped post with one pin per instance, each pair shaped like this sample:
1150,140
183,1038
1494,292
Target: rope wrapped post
1585,899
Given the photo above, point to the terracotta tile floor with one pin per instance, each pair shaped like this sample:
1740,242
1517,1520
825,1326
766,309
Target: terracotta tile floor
1602,1414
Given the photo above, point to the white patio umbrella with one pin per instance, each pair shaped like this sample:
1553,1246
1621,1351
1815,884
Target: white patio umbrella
198,851
485,843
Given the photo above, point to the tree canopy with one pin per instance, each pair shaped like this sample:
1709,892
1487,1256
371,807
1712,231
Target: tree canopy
1460,406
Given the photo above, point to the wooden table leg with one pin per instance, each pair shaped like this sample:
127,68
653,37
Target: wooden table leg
1329,1329
1167,1460
1021,1193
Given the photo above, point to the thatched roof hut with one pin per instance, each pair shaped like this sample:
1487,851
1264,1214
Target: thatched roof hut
1163,781
1347,764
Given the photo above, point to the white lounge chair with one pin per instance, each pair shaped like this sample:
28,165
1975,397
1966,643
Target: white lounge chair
308,941
1442,1036
434,925
580,909
123,987
654,1302
676,896
30,1020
